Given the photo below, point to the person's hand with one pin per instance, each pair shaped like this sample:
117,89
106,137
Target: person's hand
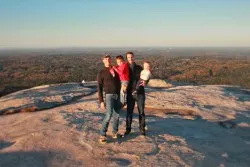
102,105
124,89
143,83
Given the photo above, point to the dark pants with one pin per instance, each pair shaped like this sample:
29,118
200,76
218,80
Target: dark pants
130,110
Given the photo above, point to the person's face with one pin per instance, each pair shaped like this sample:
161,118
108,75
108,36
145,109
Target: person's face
119,62
146,66
130,58
107,62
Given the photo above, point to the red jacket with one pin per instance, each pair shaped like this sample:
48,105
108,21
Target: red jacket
123,71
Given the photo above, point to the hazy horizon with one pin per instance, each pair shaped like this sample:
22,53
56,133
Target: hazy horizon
120,47
114,51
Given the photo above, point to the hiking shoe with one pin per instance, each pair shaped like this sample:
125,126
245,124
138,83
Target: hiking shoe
103,139
116,136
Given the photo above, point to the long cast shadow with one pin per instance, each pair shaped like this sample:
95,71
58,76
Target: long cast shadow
36,159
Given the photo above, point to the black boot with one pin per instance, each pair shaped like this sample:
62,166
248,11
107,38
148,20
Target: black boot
127,132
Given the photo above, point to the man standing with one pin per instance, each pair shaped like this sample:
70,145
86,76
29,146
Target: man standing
108,81
135,71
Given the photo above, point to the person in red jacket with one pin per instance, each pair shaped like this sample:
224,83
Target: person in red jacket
123,70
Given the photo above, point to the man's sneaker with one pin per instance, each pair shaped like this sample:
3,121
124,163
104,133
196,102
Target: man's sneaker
116,136
103,139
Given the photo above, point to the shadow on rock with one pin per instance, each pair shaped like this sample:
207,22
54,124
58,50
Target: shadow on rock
21,158
37,159
5,144
227,124
241,94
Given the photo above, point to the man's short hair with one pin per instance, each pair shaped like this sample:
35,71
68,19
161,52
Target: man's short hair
106,56
130,53
119,57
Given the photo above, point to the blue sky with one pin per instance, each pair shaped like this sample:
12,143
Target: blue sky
84,23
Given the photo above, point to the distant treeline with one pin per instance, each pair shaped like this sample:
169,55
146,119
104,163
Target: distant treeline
25,71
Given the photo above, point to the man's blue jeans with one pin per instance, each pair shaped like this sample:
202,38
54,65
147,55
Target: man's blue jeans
113,107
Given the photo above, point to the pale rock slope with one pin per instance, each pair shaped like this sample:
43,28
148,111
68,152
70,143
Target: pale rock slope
186,126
